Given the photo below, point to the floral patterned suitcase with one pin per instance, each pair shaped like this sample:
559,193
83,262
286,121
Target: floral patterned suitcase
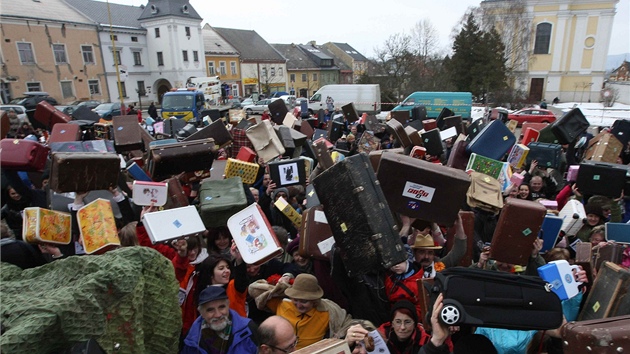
98,227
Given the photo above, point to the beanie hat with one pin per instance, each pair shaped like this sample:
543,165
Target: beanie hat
594,209
293,245
278,190
407,308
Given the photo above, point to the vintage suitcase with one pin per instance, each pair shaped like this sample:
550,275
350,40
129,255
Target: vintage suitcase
247,171
375,156
41,225
468,222
220,199
418,152
445,112
174,223
253,235
102,131
547,136
536,126
518,155
278,110
265,140
481,298
547,155
176,195
429,124
611,252
419,113
83,146
573,216
610,290
324,161
494,141
287,172
335,130
307,129
146,193
473,129
172,125
350,113
46,116
137,173
215,130
23,155
529,136
458,158
316,237
284,134
240,140
188,130
597,336
187,156
432,141
298,141
453,121
621,130
127,135
425,191
97,227
402,117
358,214
246,154
65,132
601,178
320,133
517,229
395,128
414,136
605,147
570,126
82,172
368,142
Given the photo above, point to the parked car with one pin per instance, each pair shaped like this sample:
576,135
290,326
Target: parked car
248,101
19,110
257,108
31,99
278,94
70,108
289,100
108,110
234,103
533,115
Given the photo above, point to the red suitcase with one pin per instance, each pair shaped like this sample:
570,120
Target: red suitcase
535,126
601,336
65,132
468,222
429,124
529,136
5,124
458,158
23,155
48,115
395,128
246,154
517,229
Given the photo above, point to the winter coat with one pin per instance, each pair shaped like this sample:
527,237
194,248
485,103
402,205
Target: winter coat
242,340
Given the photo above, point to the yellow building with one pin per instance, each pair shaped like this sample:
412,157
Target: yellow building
567,49
222,60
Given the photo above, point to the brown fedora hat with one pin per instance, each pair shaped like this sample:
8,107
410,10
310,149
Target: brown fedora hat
425,242
305,287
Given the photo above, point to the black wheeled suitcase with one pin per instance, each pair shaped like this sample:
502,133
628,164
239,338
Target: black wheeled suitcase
359,216
601,178
570,126
485,298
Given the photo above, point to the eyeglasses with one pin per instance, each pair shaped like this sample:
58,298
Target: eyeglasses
287,349
399,323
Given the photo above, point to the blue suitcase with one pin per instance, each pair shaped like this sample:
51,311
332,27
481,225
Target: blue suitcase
304,109
618,232
494,141
547,155
549,231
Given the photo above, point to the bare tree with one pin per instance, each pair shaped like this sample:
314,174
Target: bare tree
425,39
396,61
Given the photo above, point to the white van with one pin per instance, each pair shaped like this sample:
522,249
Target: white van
366,98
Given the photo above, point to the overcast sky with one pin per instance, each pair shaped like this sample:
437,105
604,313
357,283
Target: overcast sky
365,24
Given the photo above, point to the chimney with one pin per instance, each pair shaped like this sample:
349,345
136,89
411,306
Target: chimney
312,43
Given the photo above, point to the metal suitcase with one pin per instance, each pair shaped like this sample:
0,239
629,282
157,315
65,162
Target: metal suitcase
278,110
600,336
432,141
458,158
358,214
425,190
573,216
547,155
517,229
188,156
605,147
220,199
494,141
82,172
46,116
127,134
570,126
350,112
316,237
215,130
601,178
621,130
396,128
23,155
65,132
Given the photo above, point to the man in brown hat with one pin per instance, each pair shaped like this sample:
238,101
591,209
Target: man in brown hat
424,251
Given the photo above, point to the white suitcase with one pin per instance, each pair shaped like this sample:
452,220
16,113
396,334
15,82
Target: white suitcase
573,216
145,193
172,224
253,235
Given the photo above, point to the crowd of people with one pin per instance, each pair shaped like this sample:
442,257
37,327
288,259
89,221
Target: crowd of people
293,301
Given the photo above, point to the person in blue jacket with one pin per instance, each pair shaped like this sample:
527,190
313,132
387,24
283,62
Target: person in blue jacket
219,329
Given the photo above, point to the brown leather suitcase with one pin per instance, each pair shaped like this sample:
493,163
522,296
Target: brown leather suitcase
23,155
458,158
517,229
324,160
102,131
429,124
468,222
217,131
188,156
396,128
611,252
146,139
127,133
600,336
176,195
425,190
584,258
453,121
47,115
65,132
315,235
609,295
413,135
402,116
605,147
83,171
306,129
375,156
350,112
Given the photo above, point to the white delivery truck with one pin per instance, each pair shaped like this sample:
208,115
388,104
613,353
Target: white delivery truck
366,98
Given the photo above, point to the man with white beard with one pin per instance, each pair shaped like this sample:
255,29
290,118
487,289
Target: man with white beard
219,329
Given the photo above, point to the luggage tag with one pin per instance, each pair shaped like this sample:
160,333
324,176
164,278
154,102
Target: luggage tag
561,278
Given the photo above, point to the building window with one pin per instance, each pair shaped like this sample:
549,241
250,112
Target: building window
264,72
66,89
157,32
33,86
233,67
141,90
123,89
137,58
59,51
95,87
222,69
195,55
211,70
185,55
292,77
117,59
160,58
543,38
26,53
88,54
187,29
113,37
280,72
314,76
303,77
134,39
273,71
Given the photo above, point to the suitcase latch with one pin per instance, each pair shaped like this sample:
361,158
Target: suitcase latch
376,237
358,189
548,287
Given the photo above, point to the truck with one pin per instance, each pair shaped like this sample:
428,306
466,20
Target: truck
183,103
210,86
366,98
458,102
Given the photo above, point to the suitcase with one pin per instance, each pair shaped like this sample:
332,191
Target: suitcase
419,113
458,158
485,165
610,290
298,141
82,172
65,132
536,126
560,275
176,195
368,142
137,173
287,172
188,156
146,193
496,299
570,126
350,113
601,178
171,224
324,161
546,136
215,114
453,121
473,129
278,110
468,222
418,152
529,136
304,109
246,154
429,124
573,217
414,136
335,131
240,140
290,120
97,227
320,133
512,125
247,171
572,173
445,112
402,117
358,214
23,155
102,131
494,141
307,129
432,141
425,191
41,225
156,143
621,130
284,134
618,232
171,125
603,148
547,155
253,235
607,253
598,336
188,130
375,156
518,156
265,141
46,116
549,232
5,124
517,229
127,135
220,199
215,130
311,197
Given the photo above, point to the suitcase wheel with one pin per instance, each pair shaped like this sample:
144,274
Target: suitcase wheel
451,313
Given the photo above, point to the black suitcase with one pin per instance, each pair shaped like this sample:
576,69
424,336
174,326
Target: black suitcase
284,134
84,113
443,114
214,114
320,133
278,110
570,126
304,109
188,156
359,216
350,112
173,125
601,178
473,129
485,298
547,155
186,131
419,113
621,130
287,172
432,141
336,131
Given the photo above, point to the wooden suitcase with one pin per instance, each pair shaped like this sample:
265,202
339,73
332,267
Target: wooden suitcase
529,136
278,110
359,216
601,178
127,133
396,128
413,135
429,124
570,126
287,172
215,130
494,141
23,155
368,142
468,222
324,161
458,158
597,336
316,237
547,155
610,291
350,112
517,229
65,132
432,141
82,172
188,156
425,191
605,147
46,116
220,199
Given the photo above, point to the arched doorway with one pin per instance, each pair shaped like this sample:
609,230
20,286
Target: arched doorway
161,86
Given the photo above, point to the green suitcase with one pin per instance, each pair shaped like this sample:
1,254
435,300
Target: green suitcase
220,199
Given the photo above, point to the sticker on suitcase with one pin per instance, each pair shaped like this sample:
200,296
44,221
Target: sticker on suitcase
418,191
289,174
